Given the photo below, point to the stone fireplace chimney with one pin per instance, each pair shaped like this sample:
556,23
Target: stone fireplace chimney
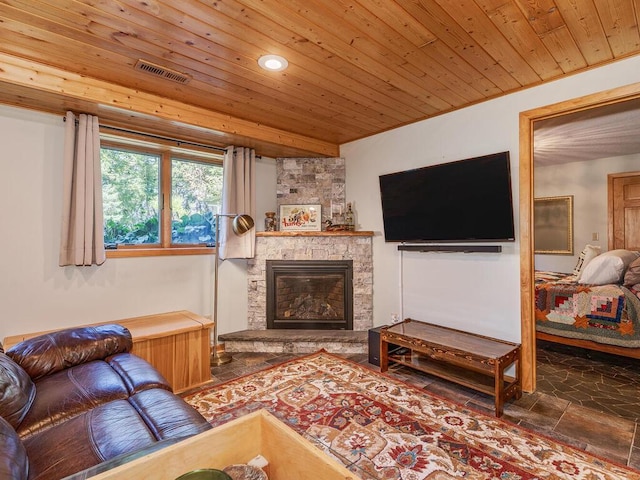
312,181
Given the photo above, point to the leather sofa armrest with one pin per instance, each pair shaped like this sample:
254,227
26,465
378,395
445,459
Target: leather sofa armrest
14,464
125,458
52,352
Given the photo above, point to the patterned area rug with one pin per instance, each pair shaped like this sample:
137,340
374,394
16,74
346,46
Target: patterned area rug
382,428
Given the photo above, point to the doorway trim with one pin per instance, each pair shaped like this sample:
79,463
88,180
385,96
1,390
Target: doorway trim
527,300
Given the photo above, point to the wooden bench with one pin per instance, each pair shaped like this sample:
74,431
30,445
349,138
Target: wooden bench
175,343
472,360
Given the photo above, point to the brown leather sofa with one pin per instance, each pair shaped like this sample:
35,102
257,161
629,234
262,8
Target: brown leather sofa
76,398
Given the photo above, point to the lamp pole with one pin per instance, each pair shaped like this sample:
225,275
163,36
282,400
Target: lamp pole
241,225
217,358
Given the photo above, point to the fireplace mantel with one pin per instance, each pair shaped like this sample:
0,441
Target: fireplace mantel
324,233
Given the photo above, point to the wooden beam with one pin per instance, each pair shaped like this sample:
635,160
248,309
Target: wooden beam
227,130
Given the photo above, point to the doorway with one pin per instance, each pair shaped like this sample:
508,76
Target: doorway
527,121
624,210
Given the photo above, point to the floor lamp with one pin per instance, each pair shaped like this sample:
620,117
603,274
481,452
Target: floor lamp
241,224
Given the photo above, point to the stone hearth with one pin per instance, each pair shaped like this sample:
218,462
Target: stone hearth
296,341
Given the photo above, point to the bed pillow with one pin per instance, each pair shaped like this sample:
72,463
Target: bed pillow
589,253
608,267
632,275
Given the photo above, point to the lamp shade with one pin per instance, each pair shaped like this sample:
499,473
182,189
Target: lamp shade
242,224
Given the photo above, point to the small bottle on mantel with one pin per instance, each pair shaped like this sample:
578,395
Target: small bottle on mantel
349,218
270,222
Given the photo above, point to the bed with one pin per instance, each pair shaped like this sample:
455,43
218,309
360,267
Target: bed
603,317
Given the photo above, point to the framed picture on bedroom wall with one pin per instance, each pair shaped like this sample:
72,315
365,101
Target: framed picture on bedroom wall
553,225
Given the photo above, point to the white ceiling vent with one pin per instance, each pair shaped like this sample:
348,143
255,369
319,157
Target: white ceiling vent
163,72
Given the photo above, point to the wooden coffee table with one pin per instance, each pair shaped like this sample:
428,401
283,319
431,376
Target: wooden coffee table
472,360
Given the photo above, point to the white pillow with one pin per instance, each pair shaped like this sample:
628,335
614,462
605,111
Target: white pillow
589,253
608,267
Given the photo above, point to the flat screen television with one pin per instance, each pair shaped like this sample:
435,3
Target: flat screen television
463,201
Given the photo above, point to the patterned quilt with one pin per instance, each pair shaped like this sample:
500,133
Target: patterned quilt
601,313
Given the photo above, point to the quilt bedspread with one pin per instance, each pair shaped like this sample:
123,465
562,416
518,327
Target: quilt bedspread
601,313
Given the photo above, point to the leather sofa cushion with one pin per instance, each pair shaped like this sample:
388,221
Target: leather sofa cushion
111,431
166,415
70,392
136,373
90,438
14,464
52,352
17,391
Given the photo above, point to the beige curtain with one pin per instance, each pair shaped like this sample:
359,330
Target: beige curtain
238,197
82,236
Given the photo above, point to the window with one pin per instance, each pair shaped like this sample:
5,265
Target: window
158,199
130,197
195,197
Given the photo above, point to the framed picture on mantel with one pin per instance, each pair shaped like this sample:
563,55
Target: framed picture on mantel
300,218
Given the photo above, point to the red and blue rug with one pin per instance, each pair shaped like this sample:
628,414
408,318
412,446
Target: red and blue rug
381,428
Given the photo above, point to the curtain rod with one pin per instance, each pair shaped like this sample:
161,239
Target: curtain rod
158,137
161,137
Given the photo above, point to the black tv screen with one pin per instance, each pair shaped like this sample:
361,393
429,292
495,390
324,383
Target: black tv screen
463,201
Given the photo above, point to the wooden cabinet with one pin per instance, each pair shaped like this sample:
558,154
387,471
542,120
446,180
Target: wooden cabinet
175,343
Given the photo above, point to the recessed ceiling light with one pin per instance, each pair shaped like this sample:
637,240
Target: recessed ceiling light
273,63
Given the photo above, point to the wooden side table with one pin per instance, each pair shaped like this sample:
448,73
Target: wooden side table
177,344
471,360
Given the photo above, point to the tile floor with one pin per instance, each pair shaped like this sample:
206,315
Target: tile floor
585,399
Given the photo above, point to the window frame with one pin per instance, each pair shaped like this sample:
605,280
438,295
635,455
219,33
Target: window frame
167,151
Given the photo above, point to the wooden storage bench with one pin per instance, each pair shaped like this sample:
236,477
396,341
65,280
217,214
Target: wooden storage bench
175,343
468,359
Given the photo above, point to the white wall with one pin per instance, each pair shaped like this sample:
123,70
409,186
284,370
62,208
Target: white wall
587,182
475,292
478,292
37,294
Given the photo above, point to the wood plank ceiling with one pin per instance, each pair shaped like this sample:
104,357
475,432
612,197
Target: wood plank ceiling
356,67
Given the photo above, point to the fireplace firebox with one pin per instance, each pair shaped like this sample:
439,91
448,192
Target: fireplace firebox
310,294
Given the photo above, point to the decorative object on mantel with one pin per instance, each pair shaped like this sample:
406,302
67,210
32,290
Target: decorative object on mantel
349,218
300,217
270,222
241,224
330,227
337,218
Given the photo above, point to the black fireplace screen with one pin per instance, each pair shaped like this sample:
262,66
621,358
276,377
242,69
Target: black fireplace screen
310,294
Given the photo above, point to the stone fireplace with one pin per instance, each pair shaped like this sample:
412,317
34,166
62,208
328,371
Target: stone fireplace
309,181
351,247
310,294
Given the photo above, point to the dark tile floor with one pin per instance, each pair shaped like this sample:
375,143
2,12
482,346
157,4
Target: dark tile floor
585,399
